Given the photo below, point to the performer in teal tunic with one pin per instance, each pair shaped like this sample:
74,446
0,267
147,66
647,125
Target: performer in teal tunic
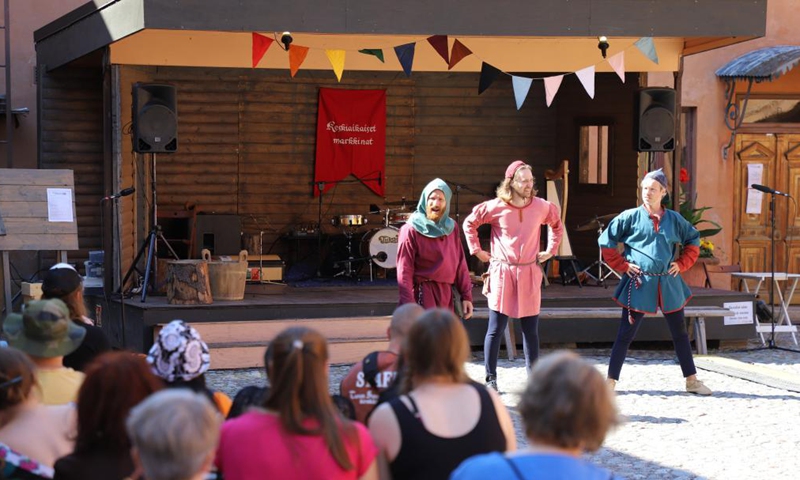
650,235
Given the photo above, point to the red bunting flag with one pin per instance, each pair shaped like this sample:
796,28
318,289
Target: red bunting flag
260,46
297,55
439,43
458,53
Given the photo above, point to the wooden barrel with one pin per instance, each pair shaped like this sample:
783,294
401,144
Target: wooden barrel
188,283
228,278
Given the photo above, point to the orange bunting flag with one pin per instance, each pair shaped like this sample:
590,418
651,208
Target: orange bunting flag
297,55
458,53
260,46
336,57
439,43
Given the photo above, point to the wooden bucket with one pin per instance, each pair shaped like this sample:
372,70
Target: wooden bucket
228,278
188,283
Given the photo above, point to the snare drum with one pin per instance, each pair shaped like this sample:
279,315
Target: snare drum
350,220
399,217
381,246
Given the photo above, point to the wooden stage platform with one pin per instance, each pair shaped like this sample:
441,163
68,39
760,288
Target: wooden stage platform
354,317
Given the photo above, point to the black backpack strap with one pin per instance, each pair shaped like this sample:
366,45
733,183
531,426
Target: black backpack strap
370,368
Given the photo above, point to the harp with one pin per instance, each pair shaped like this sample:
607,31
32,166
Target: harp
557,194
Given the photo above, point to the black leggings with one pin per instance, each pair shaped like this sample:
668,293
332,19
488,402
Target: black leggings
491,344
627,332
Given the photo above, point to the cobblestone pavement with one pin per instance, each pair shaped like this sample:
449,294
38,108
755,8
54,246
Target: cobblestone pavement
746,430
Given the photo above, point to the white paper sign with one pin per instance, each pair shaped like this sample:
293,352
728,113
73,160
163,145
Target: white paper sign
755,172
742,313
59,205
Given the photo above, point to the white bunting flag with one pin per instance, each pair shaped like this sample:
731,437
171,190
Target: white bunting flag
586,76
617,62
522,86
551,85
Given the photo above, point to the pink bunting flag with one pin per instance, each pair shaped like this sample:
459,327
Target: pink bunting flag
586,76
260,46
551,85
617,62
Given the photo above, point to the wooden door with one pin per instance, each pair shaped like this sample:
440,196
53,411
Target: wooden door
779,156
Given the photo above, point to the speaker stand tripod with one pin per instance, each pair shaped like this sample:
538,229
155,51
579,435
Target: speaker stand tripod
149,244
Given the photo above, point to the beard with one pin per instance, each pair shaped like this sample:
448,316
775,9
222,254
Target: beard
524,193
434,216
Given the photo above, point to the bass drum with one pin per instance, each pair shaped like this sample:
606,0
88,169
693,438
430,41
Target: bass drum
381,246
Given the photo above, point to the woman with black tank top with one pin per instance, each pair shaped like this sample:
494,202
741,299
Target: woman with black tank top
441,417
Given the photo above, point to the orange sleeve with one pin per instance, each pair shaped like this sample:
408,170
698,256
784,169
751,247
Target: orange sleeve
223,402
688,256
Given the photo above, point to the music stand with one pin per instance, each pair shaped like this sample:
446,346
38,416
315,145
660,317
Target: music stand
149,244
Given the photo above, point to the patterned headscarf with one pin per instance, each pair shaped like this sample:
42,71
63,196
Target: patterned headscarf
179,353
419,219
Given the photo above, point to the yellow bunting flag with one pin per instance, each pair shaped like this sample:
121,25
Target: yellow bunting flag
297,55
336,57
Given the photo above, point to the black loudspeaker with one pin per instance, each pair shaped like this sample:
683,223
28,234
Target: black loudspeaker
655,120
155,118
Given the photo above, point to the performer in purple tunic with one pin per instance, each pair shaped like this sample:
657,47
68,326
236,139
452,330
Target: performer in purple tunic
515,278
430,258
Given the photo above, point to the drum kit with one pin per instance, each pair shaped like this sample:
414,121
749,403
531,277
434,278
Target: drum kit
378,245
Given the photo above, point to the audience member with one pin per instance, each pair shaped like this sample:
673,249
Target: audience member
174,434
63,282
299,433
180,357
377,371
32,435
115,383
45,332
246,398
442,417
567,409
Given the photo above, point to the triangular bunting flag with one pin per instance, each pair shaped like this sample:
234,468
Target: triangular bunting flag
551,85
297,55
439,43
586,76
648,48
260,46
458,53
336,57
488,75
617,62
377,52
521,87
405,53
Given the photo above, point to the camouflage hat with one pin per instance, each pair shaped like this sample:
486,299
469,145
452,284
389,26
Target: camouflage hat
44,329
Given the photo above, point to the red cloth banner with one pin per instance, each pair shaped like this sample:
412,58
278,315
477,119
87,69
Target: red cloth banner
351,138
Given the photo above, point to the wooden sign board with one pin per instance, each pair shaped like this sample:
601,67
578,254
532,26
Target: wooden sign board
38,210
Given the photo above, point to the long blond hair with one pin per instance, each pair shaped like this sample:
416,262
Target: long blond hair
504,189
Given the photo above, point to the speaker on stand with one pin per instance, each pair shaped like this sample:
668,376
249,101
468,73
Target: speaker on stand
155,118
654,125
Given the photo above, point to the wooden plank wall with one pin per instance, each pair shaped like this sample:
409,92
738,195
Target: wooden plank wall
247,142
71,126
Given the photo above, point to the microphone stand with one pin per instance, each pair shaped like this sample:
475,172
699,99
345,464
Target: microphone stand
458,187
771,344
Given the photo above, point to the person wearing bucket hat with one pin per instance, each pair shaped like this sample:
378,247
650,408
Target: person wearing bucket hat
45,333
514,284
181,358
63,282
431,266
650,234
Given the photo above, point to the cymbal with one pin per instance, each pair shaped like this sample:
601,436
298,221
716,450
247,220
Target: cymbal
400,202
594,223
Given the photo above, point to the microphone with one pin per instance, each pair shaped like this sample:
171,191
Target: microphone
381,256
762,188
123,193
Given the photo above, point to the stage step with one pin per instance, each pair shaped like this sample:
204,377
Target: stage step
242,344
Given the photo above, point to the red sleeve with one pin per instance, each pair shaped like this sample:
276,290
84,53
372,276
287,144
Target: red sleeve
614,259
406,248
463,280
688,256
471,224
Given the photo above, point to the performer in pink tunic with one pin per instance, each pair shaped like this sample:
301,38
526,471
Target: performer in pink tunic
515,278
430,258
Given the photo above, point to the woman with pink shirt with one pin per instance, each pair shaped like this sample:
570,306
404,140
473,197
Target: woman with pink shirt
298,433
515,278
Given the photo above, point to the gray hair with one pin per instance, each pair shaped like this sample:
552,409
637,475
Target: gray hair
174,431
403,319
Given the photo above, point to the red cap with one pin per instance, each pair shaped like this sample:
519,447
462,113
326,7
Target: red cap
512,169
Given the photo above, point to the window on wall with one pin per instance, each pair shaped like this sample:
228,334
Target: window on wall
771,110
594,154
